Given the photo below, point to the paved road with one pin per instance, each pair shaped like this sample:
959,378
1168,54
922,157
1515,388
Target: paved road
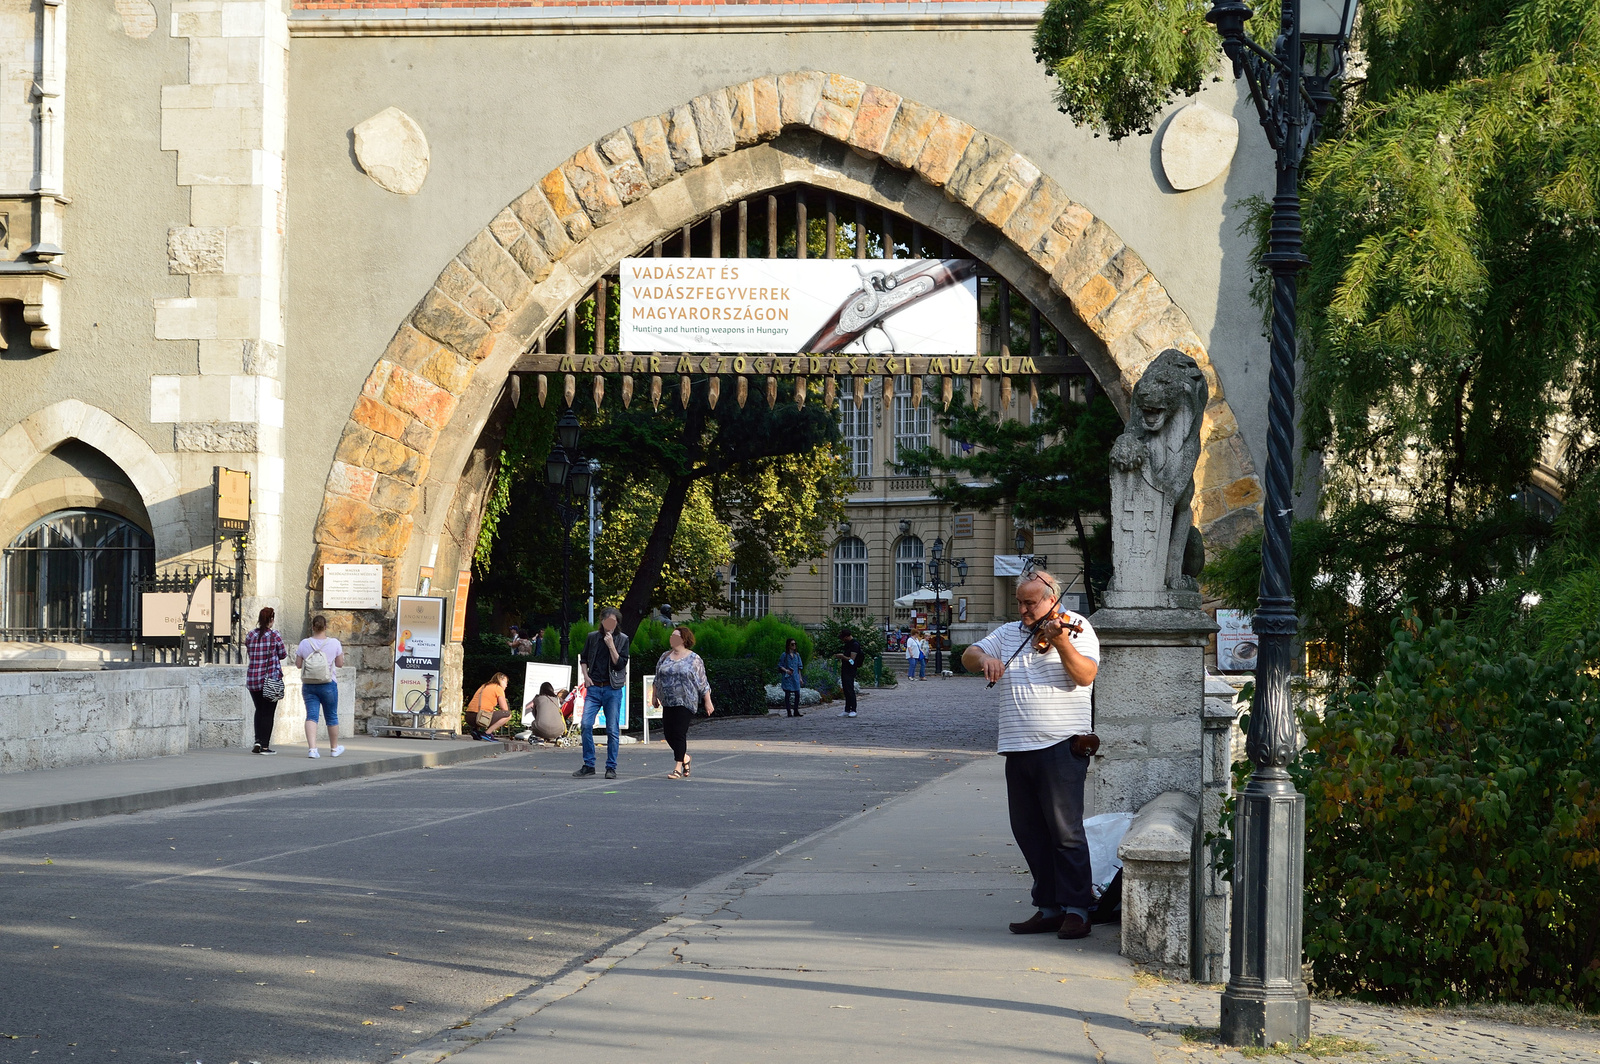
294,925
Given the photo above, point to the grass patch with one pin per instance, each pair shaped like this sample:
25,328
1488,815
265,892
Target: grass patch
1320,1045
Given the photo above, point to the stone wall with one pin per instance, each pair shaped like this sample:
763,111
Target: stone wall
58,719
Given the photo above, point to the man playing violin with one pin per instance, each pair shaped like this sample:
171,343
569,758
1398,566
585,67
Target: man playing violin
1046,737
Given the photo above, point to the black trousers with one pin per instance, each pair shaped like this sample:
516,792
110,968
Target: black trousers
847,680
1044,791
675,725
266,711
791,703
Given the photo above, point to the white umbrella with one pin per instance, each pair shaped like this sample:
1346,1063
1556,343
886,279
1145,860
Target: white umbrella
922,594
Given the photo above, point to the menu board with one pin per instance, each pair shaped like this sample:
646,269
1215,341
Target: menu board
418,655
1236,643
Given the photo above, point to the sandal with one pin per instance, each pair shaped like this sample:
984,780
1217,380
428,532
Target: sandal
685,766
674,775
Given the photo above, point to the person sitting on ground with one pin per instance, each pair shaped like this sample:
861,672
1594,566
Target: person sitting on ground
488,708
543,714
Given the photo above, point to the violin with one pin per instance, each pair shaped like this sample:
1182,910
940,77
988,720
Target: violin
1041,642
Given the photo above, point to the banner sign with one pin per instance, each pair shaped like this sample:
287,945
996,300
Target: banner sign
231,503
418,655
815,306
1236,643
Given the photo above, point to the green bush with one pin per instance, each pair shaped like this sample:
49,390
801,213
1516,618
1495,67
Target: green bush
820,676
715,638
765,638
1453,824
955,666
737,687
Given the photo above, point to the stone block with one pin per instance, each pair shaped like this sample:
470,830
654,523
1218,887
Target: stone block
449,371
909,131
980,164
558,193
655,154
445,321
943,150
1208,506
420,437
741,103
1096,295
1157,861
380,418
411,349
1246,491
1083,257
835,112
1144,300
586,176
495,269
262,357
392,150
531,257
397,495
540,219
683,139
874,118
223,437
1221,462
1033,218
1011,187
506,229
714,124
357,525
464,289
353,444
798,94
196,249
1180,736
768,109
355,481
622,166
397,460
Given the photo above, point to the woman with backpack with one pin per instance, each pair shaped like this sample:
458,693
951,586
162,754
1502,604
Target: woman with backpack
264,677
316,658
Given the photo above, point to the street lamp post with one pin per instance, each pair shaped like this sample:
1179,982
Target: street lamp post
1265,1001
568,475
939,572
1030,562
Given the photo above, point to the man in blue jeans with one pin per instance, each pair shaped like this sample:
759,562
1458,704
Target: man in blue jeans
605,671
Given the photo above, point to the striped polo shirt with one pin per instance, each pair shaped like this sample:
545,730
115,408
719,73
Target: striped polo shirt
1039,704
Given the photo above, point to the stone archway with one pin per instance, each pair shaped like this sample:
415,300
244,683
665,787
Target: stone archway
425,403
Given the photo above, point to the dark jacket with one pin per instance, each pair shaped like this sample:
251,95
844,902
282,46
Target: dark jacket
598,659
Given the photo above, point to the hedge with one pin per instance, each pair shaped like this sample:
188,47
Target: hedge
737,687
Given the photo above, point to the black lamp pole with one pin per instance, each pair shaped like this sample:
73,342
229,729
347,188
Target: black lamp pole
567,474
1265,1001
938,584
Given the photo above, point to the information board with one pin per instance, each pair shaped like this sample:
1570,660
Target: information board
232,500
418,655
352,587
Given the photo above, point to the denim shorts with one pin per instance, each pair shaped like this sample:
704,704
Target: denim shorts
319,697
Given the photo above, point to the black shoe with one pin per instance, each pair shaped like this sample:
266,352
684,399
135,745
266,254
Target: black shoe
1073,926
611,773
268,750
1037,924
256,749
586,770
798,715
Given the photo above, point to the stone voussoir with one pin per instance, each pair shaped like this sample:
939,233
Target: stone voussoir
495,269
540,219
655,155
445,321
980,165
714,125
1011,187
563,200
908,132
835,113
798,94
943,150
622,166
874,119
586,176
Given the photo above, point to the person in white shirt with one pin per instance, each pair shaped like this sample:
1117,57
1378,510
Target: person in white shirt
1046,726
916,657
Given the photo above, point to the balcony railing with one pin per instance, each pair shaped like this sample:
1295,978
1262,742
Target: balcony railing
892,485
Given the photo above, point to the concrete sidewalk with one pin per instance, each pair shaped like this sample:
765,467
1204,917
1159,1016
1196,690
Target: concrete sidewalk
53,795
883,938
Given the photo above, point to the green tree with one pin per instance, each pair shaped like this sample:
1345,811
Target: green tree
1450,315
1054,470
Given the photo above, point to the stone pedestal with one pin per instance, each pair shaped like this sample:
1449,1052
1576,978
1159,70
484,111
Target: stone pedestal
1149,697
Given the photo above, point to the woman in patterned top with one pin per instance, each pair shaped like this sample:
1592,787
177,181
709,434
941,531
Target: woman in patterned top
265,672
680,684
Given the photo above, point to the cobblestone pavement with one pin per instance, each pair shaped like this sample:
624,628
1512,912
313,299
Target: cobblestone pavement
1387,1034
954,713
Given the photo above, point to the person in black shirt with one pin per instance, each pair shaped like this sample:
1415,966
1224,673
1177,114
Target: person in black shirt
850,659
605,669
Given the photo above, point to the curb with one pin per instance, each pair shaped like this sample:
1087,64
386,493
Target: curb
199,792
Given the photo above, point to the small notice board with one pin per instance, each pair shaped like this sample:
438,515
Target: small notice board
352,587
418,662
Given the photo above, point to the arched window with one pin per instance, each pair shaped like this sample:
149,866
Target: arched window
70,578
907,566
850,572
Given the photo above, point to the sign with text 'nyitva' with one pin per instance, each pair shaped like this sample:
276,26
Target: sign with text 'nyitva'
811,306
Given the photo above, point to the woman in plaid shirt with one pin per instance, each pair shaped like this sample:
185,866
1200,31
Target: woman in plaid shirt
265,672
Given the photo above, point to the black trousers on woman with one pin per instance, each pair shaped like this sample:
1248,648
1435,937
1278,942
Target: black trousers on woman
266,711
675,723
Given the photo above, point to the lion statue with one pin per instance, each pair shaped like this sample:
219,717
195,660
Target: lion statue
1161,445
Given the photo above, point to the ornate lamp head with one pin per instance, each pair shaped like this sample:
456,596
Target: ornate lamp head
568,431
556,467
579,478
